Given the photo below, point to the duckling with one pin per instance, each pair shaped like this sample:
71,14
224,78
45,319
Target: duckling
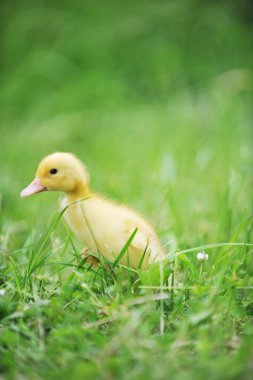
102,225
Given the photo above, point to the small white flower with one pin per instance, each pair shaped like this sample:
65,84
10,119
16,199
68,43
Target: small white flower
202,256
2,292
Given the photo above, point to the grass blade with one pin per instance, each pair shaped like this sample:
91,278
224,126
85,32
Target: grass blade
125,248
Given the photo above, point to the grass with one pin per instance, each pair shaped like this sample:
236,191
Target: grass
156,99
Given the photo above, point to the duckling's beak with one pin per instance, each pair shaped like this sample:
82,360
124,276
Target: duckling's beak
34,188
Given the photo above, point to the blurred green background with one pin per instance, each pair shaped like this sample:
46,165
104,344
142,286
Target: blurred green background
153,97
156,98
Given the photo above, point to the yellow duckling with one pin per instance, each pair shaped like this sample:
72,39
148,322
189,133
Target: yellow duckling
100,224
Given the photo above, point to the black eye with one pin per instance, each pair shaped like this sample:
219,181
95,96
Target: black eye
53,171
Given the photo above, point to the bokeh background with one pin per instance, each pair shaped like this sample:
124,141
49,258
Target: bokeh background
155,98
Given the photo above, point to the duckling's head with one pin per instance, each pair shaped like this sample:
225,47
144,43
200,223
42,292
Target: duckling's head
60,172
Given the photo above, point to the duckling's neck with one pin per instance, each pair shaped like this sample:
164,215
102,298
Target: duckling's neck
81,191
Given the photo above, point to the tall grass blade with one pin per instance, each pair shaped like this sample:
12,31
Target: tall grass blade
125,248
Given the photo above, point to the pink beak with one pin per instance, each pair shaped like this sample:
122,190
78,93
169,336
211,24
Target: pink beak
34,188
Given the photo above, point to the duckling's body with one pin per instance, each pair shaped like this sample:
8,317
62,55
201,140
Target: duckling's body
100,224
104,227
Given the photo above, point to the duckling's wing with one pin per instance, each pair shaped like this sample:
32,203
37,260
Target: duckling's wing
145,246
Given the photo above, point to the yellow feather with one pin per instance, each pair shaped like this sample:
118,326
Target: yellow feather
101,225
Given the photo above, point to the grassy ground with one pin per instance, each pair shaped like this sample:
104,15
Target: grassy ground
156,99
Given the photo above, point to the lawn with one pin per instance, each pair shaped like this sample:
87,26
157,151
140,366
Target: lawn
156,100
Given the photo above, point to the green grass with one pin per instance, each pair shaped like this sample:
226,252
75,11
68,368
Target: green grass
156,99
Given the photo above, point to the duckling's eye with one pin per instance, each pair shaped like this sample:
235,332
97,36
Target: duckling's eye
53,171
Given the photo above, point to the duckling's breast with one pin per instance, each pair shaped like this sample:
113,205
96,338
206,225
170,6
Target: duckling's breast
78,223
